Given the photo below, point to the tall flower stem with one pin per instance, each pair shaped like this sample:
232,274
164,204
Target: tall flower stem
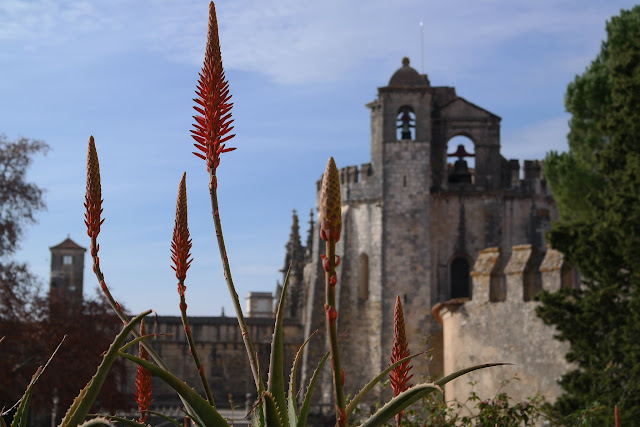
330,229
93,221
192,347
251,353
180,254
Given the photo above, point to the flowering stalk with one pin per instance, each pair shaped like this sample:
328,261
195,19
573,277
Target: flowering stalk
93,221
330,229
210,133
180,248
142,391
400,374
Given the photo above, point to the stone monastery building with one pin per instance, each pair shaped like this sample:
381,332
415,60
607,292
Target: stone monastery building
415,220
413,223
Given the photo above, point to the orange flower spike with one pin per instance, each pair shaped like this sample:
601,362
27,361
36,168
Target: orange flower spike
143,389
213,124
330,205
181,244
400,374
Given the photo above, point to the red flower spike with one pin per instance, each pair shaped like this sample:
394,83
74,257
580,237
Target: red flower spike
212,126
400,374
93,196
142,392
181,244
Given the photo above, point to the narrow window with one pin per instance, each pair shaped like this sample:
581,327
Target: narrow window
67,259
460,278
363,277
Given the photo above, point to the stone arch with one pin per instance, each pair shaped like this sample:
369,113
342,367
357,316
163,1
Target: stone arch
406,123
363,277
460,276
460,169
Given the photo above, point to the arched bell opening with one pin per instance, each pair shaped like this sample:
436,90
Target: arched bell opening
461,167
406,123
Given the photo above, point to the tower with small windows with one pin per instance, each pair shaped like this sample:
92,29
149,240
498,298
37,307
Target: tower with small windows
435,192
67,270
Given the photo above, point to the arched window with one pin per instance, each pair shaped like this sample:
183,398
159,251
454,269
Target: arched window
406,120
460,286
363,277
461,151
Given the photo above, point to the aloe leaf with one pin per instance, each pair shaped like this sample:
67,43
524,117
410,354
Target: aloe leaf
101,421
165,417
306,403
122,420
203,409
20,417
291,398
275,384
367,388
80,407
255,418
442,381
271,409
400,402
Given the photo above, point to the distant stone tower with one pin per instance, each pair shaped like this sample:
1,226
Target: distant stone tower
67,269
413,224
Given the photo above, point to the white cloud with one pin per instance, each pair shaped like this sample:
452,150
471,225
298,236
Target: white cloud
297,42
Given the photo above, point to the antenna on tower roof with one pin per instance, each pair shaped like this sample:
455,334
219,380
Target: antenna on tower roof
421,47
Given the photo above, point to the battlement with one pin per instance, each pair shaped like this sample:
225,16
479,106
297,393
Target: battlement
521,278
530,181
498,324
357,184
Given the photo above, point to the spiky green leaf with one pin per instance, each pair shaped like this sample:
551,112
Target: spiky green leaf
275,384
80,407
122,420
22,413
367,388
399,403
271,410
306,403
292,395
205,412
442,381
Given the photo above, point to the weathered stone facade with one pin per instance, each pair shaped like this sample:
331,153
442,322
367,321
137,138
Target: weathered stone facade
485,329
413,223
222,352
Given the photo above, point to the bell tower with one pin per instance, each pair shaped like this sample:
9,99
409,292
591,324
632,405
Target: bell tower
67,269
401,154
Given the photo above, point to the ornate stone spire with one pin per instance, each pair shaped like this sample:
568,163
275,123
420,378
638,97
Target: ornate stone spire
295,257
309,246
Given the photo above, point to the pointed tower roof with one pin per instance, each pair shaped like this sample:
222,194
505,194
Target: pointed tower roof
68,244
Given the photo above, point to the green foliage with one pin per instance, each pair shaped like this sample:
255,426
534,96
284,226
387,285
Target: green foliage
476,411
597,187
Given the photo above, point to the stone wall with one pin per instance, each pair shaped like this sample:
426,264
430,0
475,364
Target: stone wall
222,352
486,329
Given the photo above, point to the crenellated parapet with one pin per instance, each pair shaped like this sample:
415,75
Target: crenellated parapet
498,324
357,184
530,182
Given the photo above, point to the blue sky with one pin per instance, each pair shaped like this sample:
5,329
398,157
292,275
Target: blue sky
300,73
